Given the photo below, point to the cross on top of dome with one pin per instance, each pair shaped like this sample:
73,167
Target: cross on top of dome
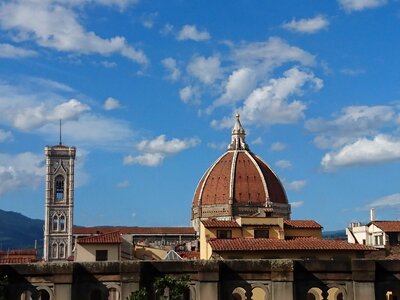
238,136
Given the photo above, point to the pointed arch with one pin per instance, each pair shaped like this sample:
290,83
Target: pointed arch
62,223
59,184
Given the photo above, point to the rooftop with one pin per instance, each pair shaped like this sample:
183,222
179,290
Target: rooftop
262,244
134,230
107,238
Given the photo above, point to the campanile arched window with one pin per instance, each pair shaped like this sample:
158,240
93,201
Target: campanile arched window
59,188
62,223
55,223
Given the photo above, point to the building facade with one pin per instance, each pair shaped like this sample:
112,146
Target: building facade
60,161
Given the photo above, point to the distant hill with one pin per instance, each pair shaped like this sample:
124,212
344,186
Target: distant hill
334,235
19,232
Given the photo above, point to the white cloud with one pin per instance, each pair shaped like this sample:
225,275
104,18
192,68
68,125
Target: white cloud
148,20
283,164
34,117
239,85
358,5
296,185
111,104
296,204
381,148
352,72
5,136
10,51
170,64
190,32
123,184
189,94
270,104
385,202
311,25
352,123
147,159
24,170
264,56
277,146
56,26
207,70
156,150
108,64
257,141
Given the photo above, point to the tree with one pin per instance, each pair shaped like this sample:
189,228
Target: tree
140,294
169,287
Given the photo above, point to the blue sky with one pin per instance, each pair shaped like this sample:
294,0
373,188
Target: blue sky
147,91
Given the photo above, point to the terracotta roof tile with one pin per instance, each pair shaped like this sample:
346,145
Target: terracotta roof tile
189,254
388,226
243,244
135,230
301,224
16,260
220,223
107,238
19,252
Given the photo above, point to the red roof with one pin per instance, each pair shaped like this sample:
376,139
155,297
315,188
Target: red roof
388,226
301,224
107,238
246,244
251,178
189,254
220,223
19,252
17,260
135,230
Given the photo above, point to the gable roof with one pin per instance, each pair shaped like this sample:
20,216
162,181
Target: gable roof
301,224
387,226
107,238
262,244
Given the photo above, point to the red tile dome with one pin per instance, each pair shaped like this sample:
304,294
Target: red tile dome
239,183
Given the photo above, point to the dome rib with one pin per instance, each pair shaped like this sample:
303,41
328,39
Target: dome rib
261,176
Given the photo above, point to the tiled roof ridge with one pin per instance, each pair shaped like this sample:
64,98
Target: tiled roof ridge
105,238
220,223
19,252
307,223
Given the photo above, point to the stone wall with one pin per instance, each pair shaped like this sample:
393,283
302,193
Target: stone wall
224,279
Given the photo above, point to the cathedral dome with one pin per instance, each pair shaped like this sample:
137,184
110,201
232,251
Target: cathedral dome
239,183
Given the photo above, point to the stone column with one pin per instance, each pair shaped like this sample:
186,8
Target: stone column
282,279
363,273
130,278
208,281
62,286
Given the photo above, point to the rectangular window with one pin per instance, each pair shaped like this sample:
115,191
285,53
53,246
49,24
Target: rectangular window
101,255
224,234
261,233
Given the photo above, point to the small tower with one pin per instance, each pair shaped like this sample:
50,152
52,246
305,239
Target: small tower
59,202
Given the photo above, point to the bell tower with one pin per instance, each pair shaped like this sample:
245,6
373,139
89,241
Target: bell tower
60,161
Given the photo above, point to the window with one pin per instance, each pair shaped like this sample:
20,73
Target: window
261,233
59,188
101,255
62,250
224,234
55,223
62,223
54,250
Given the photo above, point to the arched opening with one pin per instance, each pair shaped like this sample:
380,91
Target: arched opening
54,250
113,294
59,188
96,295
238,294
62,223
314,294
26,295
62,250
55,223
44,295
335,293
258,294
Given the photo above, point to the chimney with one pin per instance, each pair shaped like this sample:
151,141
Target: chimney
372,214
